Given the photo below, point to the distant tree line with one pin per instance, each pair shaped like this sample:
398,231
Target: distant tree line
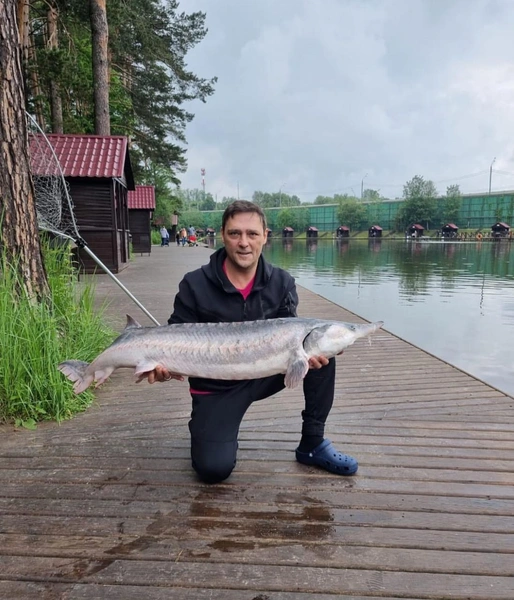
420,205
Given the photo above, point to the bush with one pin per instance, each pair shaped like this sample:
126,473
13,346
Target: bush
35,338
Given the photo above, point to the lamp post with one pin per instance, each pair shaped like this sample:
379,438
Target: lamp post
362,185
491,174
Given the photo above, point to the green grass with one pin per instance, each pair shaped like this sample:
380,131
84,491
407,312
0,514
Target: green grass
35,337
156,237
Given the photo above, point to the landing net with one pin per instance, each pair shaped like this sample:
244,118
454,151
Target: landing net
54,206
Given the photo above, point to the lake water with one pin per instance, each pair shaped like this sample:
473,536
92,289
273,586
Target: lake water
453,299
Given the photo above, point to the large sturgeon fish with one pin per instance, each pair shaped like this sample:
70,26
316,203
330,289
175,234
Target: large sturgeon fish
241,350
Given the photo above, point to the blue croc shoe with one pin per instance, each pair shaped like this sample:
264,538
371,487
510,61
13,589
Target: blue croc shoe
328,458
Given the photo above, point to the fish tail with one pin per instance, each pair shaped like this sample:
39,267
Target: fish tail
76,371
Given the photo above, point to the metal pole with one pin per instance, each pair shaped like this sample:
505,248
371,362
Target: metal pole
362,185
118,282
491,174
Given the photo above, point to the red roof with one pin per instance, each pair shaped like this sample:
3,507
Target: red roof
344,228
312,228
504,225
377,227
418,226
451,226
81,155
142,197
288,229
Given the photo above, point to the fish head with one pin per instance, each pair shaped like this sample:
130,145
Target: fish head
332,338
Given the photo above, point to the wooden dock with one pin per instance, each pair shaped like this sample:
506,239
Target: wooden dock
106,506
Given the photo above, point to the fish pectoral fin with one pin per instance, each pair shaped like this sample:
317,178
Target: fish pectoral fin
296,370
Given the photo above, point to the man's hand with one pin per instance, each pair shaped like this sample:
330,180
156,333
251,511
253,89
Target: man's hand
316,362
159,374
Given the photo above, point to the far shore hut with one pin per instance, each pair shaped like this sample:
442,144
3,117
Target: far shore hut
312,232
287,232
500,230
415,230
375,231
343,231
449,230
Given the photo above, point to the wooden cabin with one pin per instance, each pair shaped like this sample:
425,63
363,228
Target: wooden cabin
141,204
415,230
450,230
343,231
375,231
287,232
312,232
500,230
98,172
210,232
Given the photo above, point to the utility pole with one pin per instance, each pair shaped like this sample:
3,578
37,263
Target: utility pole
280,195
202,171
491,174
362,185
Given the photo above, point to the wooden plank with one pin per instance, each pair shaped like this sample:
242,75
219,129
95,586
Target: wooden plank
14,590
256,551
258,577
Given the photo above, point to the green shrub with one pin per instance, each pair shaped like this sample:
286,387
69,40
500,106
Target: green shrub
36,337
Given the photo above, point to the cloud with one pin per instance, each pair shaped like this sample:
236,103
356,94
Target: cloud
316,95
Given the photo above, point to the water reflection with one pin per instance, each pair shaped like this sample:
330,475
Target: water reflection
287,244
454,299
312,245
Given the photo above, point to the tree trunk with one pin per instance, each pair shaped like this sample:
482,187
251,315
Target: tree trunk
23,27
35,87
18,222
55,91
29,60
100,39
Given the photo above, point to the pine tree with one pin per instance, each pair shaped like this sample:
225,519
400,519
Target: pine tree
18,223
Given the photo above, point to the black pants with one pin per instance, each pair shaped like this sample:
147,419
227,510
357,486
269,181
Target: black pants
216,418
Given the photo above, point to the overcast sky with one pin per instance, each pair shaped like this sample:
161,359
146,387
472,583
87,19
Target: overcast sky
317,97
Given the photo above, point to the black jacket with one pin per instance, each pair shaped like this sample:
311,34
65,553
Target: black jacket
207,296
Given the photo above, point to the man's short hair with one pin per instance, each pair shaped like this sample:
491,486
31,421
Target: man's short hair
242,206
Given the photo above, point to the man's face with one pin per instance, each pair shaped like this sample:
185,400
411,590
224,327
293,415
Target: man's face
244,237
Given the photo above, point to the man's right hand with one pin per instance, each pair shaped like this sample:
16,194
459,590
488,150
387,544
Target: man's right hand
159,374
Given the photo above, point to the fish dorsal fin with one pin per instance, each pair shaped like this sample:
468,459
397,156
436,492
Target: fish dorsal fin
132,323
